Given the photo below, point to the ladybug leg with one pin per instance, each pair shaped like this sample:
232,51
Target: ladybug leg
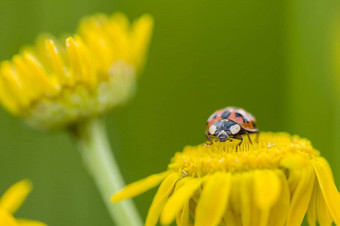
239,137
249,137
207,135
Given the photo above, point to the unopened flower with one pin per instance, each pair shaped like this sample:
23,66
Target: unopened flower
274,182
11,200
58,83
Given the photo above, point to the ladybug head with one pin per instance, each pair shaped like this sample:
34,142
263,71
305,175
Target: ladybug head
223,129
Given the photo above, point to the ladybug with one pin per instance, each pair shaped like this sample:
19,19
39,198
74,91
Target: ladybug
230,122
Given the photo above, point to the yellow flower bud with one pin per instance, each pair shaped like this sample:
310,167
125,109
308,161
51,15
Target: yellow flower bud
57,83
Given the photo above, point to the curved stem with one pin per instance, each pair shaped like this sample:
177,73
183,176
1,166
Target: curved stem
95,149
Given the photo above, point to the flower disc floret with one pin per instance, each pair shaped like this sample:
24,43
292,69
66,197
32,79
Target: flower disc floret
276,181
270,153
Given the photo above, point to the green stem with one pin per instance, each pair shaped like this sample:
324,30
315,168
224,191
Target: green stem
95,149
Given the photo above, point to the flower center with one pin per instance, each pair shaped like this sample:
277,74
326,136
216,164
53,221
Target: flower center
271,151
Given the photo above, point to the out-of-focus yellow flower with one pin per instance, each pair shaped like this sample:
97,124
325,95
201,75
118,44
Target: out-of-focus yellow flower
11,200
274,182
55,84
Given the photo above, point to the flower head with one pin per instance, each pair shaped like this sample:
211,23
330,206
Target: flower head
11,200
55,84
273,182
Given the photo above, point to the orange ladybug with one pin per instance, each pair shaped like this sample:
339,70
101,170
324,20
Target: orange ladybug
230,122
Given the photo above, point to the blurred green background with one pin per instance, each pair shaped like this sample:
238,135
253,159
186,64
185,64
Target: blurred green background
274,58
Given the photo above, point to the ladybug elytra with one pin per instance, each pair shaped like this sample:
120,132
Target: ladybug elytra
230,122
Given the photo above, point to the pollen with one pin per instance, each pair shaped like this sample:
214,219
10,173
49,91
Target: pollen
59,82
278,180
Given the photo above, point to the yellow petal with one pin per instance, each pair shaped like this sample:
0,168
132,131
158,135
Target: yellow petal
328,188
266,191
213,200
301,195
73,52
294,162
139,187
23,75
13,198
14,84
324,216
312,208
267,188
192,206
178,199
34,79
7,219
160,198
7,98
232,218
121,20
233,213
56,61
119,32
318,210
250,214
278,213
141,34
86,62
183,218
98,45
25,222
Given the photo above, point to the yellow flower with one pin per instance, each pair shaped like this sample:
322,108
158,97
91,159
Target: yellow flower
273,182
55,84
11,200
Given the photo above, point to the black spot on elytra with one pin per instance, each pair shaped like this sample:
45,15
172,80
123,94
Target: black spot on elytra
238,114
213,116
225,114
242,116
254,124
